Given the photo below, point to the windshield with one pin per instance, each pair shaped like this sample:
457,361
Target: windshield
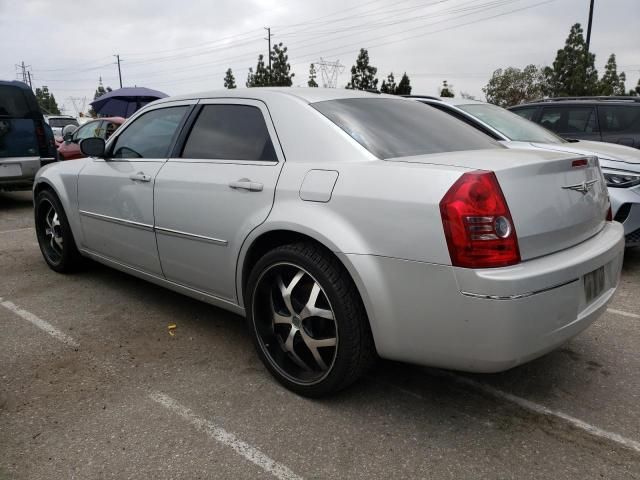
391,128
62,122
512,126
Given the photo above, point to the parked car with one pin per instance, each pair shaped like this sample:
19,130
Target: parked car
103,128
58,122
602,119
26,141
620,164
343,224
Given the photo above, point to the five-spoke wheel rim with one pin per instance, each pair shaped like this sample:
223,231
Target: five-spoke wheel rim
51,240
295,323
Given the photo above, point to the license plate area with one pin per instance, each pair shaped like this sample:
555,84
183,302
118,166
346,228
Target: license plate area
594,284
10,170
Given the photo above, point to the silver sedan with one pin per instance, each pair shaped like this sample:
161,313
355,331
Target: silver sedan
343,225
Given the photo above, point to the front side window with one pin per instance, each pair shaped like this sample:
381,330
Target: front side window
230,132
389,127
526,113
619,118
568,119
91,129
150,135
512,126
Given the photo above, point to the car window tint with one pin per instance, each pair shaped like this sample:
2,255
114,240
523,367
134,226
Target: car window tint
568,119
389,127
150,135
62,122
526,113
230,132
13,103
619,118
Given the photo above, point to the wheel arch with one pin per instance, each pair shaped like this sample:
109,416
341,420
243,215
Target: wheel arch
265,240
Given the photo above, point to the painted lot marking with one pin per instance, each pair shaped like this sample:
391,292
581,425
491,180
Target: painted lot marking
40,323
17,230
226,438
542,410
624,314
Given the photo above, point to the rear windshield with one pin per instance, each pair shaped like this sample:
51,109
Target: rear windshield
390,128
13,103
62,122
512,126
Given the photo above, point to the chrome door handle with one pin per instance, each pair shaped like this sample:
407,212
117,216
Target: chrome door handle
246,184
140,177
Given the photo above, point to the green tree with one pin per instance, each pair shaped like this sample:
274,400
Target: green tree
250,78
389,85
100,91
229,79
574,72
312,76
513,86
611,82
634,92
46,101
467,96
280,74
262,77
447,90
404,87
363,75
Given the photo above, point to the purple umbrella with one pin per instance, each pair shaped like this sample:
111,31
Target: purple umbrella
124,102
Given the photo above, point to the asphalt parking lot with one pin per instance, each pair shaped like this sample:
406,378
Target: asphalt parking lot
93,385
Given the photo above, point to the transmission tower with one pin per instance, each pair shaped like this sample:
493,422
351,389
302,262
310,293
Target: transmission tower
79,104
329,72
23,73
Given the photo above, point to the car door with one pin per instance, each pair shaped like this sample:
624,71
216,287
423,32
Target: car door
571,121
115,194
620,124
218,186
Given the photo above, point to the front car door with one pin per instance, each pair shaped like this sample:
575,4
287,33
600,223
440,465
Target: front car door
217,187
571,121
116,194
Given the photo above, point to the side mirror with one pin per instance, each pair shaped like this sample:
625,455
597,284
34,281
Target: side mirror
92,147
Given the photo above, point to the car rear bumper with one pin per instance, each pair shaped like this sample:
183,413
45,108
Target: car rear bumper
485,320
18,172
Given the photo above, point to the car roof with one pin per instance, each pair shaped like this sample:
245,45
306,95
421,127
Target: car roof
307,95
616,100
60,116
448,101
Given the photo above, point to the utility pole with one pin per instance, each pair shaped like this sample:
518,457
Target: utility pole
119,71
268,39
29,77
589,26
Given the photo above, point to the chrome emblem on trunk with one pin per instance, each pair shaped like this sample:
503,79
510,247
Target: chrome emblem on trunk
583,187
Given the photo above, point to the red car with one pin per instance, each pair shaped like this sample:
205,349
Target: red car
69,149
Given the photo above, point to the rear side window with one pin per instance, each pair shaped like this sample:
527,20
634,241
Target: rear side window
619,118
13,103
391,128
150,135
568,119
230,132
62,122
526,113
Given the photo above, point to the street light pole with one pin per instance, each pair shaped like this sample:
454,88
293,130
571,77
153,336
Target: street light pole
589,26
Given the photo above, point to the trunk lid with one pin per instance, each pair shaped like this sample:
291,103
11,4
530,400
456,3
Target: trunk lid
554,204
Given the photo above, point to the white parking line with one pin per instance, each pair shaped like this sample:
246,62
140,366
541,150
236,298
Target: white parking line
40,323
542,410
17,230
624,314
226,438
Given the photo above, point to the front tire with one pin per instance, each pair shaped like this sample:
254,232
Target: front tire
307,319
54,234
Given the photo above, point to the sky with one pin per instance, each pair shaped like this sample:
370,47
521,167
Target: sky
186,46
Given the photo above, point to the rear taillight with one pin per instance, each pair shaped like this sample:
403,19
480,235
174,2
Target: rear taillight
42,140
609,214
477,223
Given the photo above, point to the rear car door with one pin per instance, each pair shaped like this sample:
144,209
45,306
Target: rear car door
218,186
571,121
116,194
620,124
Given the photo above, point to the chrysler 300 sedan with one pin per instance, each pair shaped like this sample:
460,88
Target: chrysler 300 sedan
344,226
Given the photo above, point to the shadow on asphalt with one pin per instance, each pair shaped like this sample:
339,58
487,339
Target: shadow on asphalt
15,201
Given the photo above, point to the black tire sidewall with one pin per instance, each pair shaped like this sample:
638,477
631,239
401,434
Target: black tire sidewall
69,258
334,380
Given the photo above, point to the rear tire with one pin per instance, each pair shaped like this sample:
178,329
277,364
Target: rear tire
308,322
54,234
